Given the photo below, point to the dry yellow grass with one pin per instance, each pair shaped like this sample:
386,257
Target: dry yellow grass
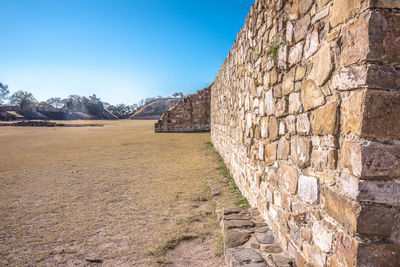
119,193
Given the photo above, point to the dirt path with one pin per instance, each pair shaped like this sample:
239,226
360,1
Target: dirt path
117,195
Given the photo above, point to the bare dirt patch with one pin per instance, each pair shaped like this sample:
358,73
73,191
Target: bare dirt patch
113,195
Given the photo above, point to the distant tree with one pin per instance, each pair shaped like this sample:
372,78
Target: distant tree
141,103
22,99
159,96
181,95
133,108
55,102
3,92
176,94
121,110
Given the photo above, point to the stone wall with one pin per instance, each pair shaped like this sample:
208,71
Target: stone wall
191,114
305,112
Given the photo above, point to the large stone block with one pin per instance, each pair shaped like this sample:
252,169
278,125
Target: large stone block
283,149
375,221
372,160
322,65
288,82
342,209
366,220
311,95
373,36
301,28
288,179
303,124
384,3
372,113
322,237
324,119
381,118
270,153
343,10
378,254
386,192
366,76
308,189
300,148
352,112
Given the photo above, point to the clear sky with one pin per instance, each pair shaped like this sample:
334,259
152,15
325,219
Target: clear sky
121,50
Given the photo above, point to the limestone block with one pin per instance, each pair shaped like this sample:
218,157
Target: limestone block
384,3
303,125
269,103
289,32
371,76
283,149
264,127
377,161
295,54
323,160
281,107
386,192
288,82
308,189
322,65
376,35
352,109
282,57
381,118
294,12
375,221
322,237
288,176
324,119
300,72
290,122
311,95
261,151
387,255
343,10
304,6
312,43
295,103
301,28
341,209
273,132
300,151
270,153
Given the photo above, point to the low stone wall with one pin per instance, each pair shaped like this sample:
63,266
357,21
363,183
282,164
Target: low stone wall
305,112
191,114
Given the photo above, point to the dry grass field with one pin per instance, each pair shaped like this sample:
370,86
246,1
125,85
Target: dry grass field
118,195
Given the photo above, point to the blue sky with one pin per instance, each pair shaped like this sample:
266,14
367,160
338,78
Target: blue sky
121,50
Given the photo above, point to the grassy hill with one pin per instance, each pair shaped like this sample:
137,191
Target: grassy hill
155,109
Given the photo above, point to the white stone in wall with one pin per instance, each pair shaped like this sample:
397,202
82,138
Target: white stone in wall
322,237
269,103
261,151
282,128
308,189
303,124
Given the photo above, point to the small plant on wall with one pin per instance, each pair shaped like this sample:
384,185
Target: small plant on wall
273,47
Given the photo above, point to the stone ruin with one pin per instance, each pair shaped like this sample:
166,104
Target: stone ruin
191,114
305,112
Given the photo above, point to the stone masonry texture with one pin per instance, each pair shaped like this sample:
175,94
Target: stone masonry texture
191,114
308,99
